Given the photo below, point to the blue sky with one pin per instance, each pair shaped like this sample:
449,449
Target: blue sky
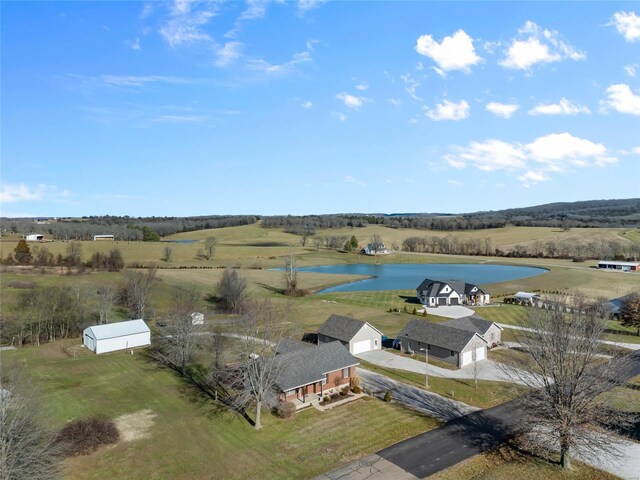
193,108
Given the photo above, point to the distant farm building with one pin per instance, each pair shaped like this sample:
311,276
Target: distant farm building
621,266
526,297
375,249
34,237
112,337
197,318
103,238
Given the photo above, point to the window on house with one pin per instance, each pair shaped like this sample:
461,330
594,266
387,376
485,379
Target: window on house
428,347
375,343
345,372
452,353
325,379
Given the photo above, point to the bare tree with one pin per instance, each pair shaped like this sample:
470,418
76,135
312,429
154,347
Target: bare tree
177,346
136,290
106,297
290,273
74,254
376,243
27,446
261,328
167,253
231,289
210,244
567,375
630,311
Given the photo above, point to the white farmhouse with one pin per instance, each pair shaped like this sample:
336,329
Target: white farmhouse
116,336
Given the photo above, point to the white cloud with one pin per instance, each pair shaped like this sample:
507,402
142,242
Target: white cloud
146,11
255,9
627,24
396,102
536,45
448,111
185,24
310,43
340,116
631,69
13,193
355,181
636,150
305,5
453,53
621,98
351,101
279,69
504,110
134,44
551,153
308,105
227,54
362,87
564,107
410,86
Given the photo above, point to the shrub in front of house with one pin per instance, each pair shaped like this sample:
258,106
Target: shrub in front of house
285,409
387,396
356,389
85,436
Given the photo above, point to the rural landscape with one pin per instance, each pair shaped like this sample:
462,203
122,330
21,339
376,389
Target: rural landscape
317,239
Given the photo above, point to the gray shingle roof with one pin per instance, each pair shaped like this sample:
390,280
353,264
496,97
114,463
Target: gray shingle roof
288,344
437,334
302,367
433,287
472,323
341,328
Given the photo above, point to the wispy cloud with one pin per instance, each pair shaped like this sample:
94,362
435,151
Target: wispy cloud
354,181
134,44
19,192
396,102
536,45
411,86
448,111
340,116
504,110
186,21
308,105
627,24
305,5
141,80
262,66
351,101
563,107
455,183
227,54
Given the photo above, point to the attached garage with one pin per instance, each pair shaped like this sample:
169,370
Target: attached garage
442,300
454,301
112,337
467,358
481,353
358,336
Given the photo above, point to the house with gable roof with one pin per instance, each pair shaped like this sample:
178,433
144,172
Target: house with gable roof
490,331
356,335
435,293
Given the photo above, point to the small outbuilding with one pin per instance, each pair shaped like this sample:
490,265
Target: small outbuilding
103,238
112,337
34,237
197,318
358,336
620,266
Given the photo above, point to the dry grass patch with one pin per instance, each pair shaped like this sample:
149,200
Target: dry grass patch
135,426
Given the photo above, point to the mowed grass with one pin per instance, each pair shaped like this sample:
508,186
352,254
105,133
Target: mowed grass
507,464
507,314
488,394
190,437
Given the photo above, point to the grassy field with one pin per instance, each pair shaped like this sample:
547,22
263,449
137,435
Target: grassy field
188,437
507,464
488,394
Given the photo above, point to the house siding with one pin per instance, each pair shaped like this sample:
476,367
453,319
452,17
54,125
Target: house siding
119,343
334,382
435,351
366,333
493,335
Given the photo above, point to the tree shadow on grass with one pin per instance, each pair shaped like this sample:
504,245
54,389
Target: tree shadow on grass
409,299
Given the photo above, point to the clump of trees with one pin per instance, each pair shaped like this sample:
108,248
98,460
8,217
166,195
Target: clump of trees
231,289
630,311
135,291
40,256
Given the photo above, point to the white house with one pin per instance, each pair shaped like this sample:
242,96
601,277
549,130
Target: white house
34,237
356,335
116,336
375,249
434,293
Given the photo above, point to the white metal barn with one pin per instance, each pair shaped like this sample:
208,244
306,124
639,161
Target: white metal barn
116,336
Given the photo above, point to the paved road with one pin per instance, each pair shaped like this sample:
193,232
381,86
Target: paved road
466,436
487,369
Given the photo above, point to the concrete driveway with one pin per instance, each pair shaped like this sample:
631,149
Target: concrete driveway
487,369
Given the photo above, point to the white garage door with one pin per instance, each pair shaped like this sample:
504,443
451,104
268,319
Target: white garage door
363,346
481,353
467,358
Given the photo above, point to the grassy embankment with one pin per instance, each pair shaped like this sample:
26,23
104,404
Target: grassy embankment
186,436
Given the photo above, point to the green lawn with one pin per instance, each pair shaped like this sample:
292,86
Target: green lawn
507,464
190,437
508,314
626,397
488,394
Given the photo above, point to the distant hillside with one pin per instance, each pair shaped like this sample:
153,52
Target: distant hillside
591,213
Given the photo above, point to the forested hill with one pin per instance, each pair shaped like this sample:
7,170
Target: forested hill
590,213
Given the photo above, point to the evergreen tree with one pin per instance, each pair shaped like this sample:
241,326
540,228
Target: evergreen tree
22,253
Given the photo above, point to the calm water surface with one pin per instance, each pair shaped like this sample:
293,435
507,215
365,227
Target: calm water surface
407,276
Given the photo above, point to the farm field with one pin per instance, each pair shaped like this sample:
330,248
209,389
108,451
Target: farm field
170,415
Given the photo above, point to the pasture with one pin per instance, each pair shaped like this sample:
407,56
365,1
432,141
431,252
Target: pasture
177,433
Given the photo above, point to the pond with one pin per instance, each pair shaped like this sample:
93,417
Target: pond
392,276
